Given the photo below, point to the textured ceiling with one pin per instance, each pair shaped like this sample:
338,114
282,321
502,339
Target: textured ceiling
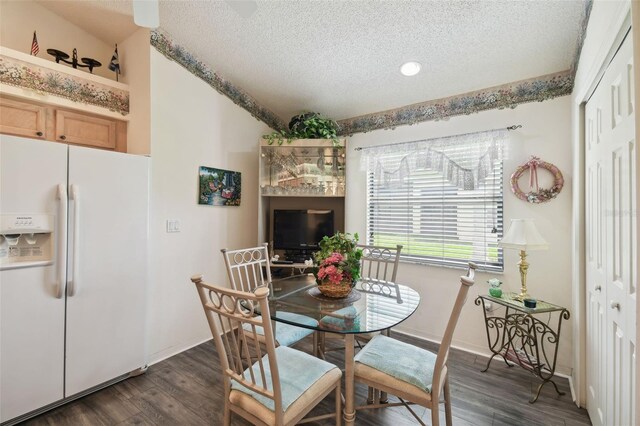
342,58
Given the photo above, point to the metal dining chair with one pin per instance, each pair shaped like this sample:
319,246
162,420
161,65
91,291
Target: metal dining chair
284,384
249,269
378,263
413,374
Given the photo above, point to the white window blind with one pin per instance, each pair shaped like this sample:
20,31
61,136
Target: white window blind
441,199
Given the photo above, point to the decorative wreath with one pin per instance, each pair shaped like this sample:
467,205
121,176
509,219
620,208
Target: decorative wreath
540,195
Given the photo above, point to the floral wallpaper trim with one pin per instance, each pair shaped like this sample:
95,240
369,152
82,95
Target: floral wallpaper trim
586,13
508,95
42,80
165,45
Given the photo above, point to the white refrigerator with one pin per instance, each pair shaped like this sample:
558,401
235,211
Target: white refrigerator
73,271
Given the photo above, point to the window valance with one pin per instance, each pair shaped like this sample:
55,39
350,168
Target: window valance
463,160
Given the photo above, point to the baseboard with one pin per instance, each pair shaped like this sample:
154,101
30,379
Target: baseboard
178,351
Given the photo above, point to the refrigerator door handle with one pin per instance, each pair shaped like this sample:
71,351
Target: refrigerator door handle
61,285
73,282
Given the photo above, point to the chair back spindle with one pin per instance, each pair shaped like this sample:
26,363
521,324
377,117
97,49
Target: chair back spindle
379,263
248,268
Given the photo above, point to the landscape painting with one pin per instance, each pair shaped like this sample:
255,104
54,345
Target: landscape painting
219,187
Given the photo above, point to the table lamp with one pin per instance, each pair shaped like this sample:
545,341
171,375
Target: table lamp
523,235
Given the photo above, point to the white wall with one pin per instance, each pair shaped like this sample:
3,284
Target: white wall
19,19
135,52
545,133
191,126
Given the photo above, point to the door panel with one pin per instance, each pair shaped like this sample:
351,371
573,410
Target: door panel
31,317
610,166
106,293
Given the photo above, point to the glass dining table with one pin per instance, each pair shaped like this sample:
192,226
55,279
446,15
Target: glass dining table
372,306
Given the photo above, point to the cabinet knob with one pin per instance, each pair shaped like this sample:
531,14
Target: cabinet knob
63,137
598,288
39,133
615,305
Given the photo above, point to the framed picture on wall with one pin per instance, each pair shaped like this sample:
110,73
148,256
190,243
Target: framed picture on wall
218,187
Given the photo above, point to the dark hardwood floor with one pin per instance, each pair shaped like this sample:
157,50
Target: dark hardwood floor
186,390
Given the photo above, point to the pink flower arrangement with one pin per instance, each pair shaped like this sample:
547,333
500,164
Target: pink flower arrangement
332,269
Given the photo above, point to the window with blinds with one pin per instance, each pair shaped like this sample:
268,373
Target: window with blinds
435,220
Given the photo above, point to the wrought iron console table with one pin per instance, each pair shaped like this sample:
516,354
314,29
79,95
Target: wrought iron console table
522,338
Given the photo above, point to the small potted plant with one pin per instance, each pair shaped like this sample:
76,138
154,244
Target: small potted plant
309,125
338,263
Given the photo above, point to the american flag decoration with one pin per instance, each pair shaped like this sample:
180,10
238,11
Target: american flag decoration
34,45
114,65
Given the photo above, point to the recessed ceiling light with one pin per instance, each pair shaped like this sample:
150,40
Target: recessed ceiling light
410,68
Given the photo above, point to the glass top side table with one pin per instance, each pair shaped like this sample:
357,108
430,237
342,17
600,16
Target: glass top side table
522,338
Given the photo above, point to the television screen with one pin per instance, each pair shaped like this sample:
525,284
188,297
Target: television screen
301,229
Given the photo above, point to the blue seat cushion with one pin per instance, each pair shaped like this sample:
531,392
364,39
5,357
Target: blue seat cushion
345,319
298,372
287,334
401,360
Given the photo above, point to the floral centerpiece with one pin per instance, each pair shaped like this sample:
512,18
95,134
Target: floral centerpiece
338,263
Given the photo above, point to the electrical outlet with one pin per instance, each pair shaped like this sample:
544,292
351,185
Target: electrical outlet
173,225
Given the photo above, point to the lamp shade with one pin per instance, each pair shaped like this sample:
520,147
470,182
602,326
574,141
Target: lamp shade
523,235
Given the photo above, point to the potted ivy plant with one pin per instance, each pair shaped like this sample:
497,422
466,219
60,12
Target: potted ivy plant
309,125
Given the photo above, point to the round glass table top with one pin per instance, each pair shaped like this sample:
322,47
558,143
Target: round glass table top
372,306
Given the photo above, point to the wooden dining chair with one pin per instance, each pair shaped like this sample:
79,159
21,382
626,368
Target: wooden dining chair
249,269
413,374
284,384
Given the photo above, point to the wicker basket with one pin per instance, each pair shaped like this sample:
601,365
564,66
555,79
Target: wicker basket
336,291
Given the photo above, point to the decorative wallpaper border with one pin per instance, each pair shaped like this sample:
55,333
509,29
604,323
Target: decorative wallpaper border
165,45
586,13
42,80
508,95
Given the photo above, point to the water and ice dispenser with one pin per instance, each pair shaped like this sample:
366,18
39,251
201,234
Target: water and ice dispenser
26,240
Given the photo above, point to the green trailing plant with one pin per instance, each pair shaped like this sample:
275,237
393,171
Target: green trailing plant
309,125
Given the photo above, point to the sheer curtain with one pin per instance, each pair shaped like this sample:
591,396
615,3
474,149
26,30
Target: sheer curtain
463,160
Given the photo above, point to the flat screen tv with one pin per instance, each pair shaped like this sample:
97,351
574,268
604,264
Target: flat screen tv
301,229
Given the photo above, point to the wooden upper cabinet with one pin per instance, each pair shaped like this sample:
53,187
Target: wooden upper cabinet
39,121
23,119
81,129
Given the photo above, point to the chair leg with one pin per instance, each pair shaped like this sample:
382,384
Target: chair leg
316,346
338,405
435,412
447,402
227,415
370,396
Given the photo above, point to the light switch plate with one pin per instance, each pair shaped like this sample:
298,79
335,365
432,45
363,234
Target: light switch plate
173,225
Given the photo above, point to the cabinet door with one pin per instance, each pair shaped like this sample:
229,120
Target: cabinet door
22,119
83,129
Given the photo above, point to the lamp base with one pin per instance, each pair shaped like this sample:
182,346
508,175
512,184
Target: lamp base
523,265
522,296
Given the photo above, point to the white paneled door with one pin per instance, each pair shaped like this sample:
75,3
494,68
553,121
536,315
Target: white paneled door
611,243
